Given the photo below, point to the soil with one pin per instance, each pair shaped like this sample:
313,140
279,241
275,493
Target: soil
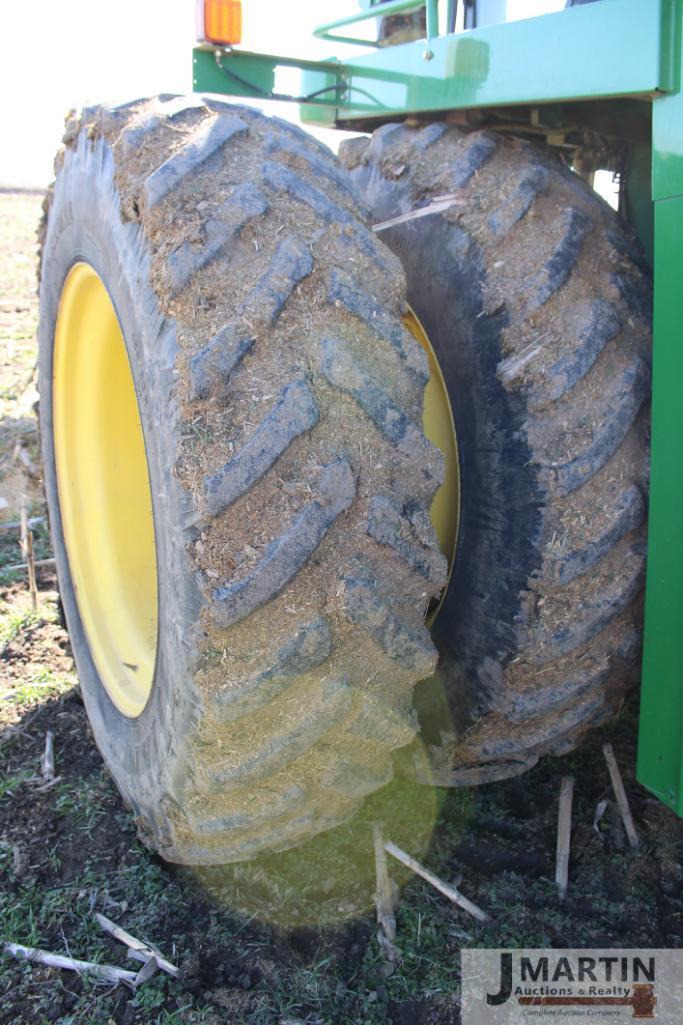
248,938
286,939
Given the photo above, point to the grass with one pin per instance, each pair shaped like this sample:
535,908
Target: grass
15,617
82,801
44,683
10,784
10,552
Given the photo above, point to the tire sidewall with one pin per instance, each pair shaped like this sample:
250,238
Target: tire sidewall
501,502
86,225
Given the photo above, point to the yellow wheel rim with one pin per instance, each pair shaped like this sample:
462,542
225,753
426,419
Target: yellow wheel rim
104,493
439,427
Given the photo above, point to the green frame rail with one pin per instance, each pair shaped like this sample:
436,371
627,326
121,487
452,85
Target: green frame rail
594,53
623,48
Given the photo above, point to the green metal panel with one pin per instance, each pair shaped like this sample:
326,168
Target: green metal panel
660,751
638,207
252,75
667,116
613,48
240,73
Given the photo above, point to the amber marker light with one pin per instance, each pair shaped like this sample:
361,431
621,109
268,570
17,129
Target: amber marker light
219,22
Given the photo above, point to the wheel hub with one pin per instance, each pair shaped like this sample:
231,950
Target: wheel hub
104,492
439,427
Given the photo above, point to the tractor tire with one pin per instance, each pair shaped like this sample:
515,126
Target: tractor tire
280,398
537,301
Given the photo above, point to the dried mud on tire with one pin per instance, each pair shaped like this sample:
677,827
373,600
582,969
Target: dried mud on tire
281,401
537,300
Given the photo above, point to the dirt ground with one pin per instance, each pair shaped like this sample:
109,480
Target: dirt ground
286,939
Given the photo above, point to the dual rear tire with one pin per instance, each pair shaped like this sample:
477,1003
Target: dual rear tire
537,302
289,480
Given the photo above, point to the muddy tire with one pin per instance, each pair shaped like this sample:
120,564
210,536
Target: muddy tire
537,302
280,398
